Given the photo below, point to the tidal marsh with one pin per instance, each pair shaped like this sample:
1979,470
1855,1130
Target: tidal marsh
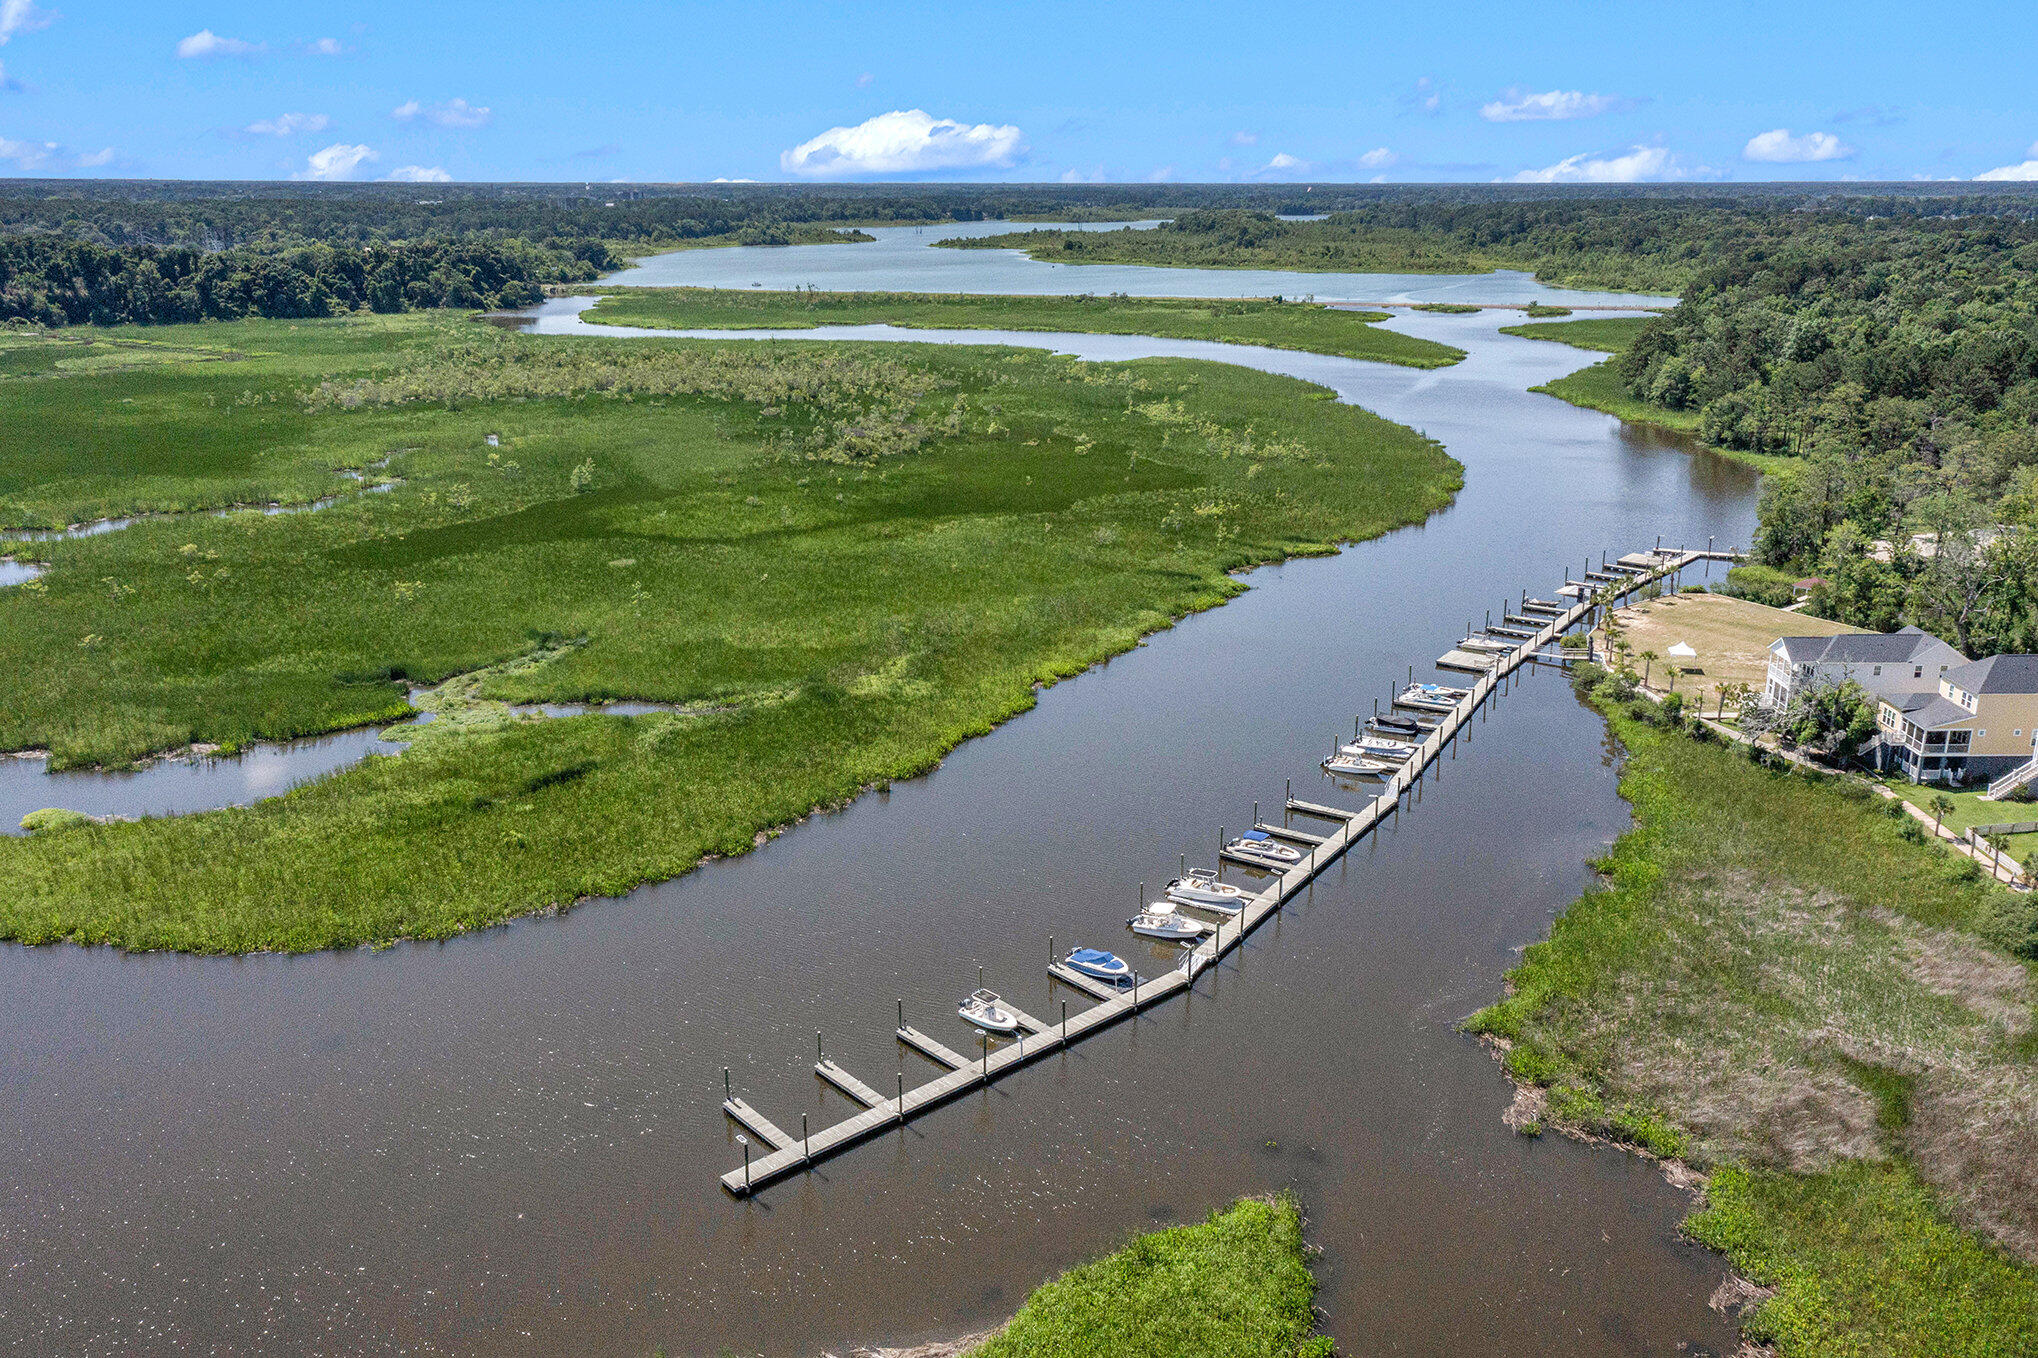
846,559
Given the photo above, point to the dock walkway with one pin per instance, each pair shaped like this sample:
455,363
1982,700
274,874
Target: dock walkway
963,1072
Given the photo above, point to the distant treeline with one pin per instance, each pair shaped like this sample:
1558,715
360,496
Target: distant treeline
1651,242
50,280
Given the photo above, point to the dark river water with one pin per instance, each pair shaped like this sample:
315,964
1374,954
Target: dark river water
508,1143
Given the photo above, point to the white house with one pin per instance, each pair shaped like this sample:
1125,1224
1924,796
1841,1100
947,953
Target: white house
1890,665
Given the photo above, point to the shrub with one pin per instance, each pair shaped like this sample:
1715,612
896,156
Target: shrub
53,818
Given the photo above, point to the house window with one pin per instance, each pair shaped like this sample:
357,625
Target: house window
1918,673
1878,669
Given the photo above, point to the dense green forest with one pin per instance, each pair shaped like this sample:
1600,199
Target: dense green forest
48,280
1648,243
1895,361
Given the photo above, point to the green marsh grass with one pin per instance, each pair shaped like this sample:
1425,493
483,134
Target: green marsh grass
1235,1286
839,604
1278,325
1777,985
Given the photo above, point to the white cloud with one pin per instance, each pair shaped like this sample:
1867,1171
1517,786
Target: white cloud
1090,176
1245,139
418,174
452,113
324,47
1427,96
25,154
1778,147
1160,174
1525,106
2022,173
863,81
6,82
1379,158
206,43
718,179
20,16
288,125
904,141
1282,166
1643,162
338,161
103,156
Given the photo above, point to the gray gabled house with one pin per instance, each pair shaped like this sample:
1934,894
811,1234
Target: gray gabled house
1890,665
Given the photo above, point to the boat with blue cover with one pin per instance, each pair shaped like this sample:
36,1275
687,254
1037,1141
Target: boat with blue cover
1104,966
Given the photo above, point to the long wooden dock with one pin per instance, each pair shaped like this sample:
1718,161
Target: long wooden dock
961,1072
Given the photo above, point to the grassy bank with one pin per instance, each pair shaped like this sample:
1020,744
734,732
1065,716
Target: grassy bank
1235,1286
844,559
1278,325
1600,388
1362,242
1776,984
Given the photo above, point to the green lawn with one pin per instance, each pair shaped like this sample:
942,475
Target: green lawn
1775,984
1279,325
1235,1286
1969,809
844,558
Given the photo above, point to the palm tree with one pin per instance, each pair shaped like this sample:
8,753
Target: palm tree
1940,806
1648,660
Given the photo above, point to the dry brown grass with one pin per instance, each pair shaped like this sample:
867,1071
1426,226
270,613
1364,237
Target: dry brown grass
1731,636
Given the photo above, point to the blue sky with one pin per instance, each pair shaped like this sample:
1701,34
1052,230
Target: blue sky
1124,91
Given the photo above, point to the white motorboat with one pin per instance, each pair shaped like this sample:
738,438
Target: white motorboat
1355,766
1159,920
1201,887
1095,962
984,1009
1387,751
1419,697
1226,908
1259,846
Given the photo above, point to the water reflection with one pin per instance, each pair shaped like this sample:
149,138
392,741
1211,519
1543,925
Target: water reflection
904,259
508,1142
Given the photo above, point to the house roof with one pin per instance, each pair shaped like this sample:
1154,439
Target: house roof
1869,648
1997,674
1911,702
1938,712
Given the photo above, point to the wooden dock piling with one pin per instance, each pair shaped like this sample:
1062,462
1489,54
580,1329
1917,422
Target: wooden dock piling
1539,627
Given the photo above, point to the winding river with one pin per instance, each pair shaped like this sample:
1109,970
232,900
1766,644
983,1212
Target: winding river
507,1143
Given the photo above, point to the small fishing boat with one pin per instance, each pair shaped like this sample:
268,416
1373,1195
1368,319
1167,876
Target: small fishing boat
1398,721
1199,886
1443,691
1105,966
1389,751
1159,920
1488,645
984,1009
1259,846
1353,766
1226,907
